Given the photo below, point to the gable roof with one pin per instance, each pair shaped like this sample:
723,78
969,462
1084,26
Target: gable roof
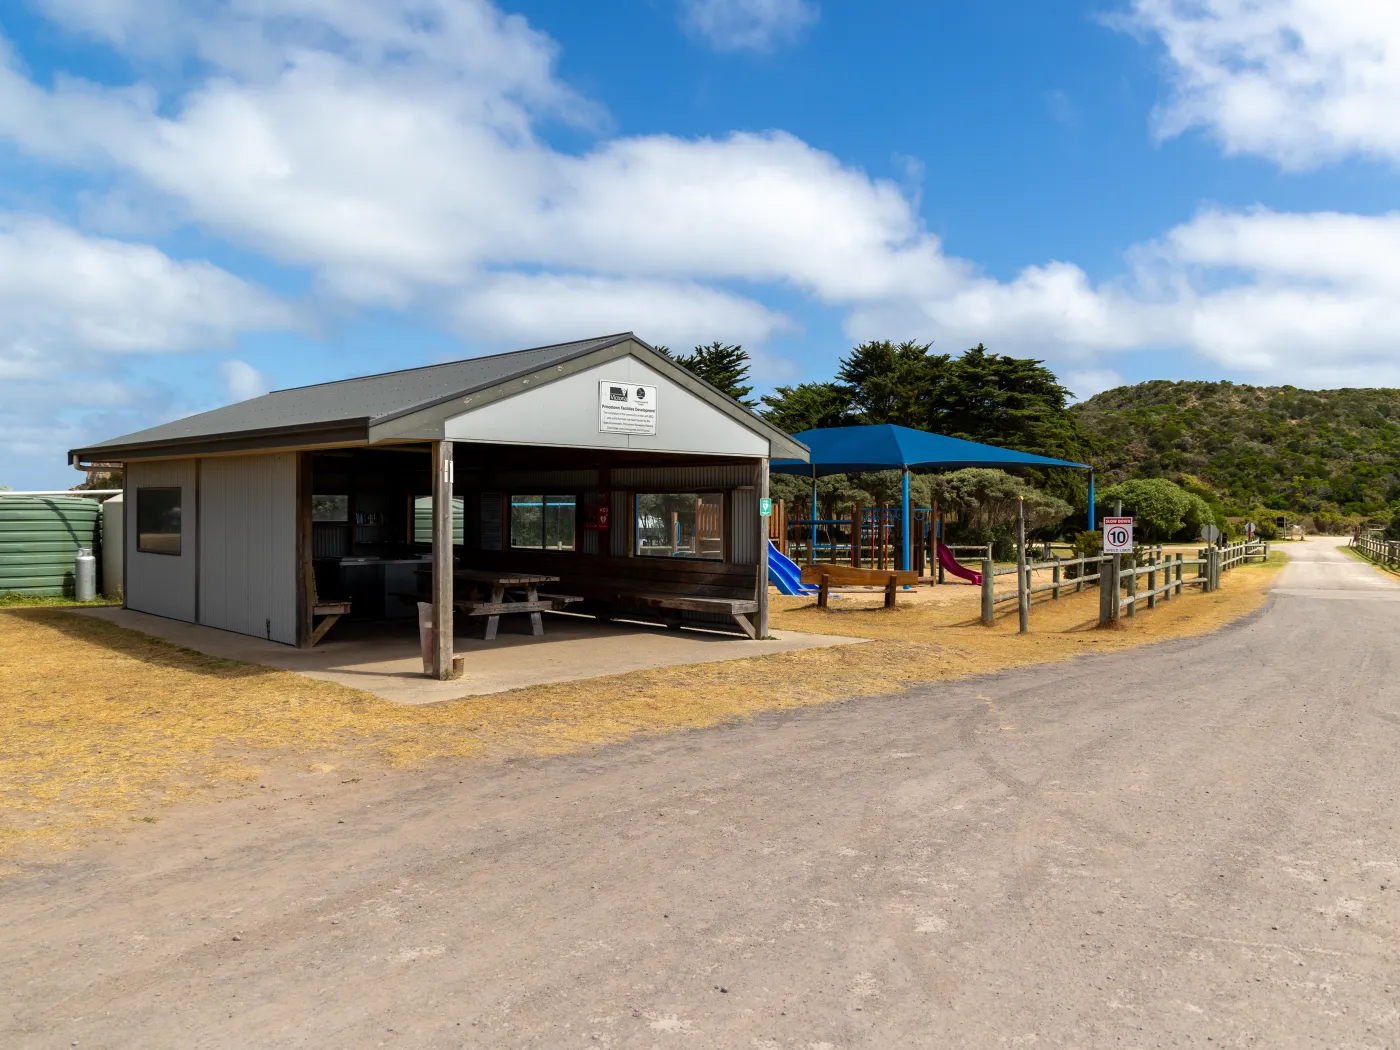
344,411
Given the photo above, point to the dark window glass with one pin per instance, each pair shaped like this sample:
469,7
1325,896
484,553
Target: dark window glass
542,522
158,521
680,525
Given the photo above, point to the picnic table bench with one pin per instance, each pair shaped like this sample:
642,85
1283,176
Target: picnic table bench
500,603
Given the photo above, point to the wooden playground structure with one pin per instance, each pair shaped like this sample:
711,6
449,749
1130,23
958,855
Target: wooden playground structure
870,537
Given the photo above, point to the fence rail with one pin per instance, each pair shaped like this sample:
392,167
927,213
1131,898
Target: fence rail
1378,549
1117,577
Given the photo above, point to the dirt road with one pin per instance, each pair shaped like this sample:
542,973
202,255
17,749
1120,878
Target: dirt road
1190,845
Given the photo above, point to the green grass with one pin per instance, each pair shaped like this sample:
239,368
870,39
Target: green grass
13,600
1362,558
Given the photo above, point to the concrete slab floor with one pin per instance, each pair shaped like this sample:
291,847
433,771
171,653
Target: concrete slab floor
383,658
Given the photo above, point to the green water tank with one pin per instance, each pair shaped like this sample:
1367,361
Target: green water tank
39,540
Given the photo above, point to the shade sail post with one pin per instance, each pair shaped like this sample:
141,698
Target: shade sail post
1091,500
812,547
904,524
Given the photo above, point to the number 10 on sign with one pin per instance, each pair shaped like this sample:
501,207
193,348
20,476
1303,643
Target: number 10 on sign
1118,535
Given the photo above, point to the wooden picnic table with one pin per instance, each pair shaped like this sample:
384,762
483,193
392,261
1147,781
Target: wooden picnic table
497,606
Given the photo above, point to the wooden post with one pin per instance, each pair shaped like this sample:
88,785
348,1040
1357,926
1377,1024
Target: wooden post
824,591
1152,581
1023,590
1131,569
1179,560
760,621
890,590
1055,579
442,560
988,584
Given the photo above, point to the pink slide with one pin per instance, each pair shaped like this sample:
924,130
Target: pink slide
946,559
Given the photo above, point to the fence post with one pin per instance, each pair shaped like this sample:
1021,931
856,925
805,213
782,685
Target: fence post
1023,583
1131,568
1179,560
1152,583
1110,579
988,583
1202,567
1055,579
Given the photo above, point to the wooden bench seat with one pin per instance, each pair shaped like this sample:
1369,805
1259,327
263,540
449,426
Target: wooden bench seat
332,612
834,575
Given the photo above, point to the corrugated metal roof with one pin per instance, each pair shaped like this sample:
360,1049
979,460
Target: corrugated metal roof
367,399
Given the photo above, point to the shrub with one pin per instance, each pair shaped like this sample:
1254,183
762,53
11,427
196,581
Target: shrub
1159,507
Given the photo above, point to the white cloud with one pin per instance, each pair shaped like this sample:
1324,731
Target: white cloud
64,294
242,381
1310,299
1298,81
73,308
521,309
747,25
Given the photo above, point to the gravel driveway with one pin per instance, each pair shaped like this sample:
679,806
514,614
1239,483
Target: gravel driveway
1194,844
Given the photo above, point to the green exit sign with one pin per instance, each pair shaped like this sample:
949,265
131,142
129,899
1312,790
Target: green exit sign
765,507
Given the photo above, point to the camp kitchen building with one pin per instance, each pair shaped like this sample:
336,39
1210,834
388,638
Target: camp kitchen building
601,462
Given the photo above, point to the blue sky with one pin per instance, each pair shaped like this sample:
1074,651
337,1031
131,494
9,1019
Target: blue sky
202,200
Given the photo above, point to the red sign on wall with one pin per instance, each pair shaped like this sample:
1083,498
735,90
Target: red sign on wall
596,517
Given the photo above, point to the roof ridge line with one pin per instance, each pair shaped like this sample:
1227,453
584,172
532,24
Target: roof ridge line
455,361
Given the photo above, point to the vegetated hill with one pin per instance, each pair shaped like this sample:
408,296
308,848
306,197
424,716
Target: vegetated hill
1298,451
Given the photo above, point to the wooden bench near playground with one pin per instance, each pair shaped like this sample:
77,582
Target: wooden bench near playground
828,575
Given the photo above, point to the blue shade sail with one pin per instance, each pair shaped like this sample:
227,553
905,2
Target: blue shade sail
848,450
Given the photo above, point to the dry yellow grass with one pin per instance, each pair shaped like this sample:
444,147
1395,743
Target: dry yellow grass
99,724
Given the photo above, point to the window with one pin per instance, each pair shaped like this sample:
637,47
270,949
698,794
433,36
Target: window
158,521
542,522
681,525
330,508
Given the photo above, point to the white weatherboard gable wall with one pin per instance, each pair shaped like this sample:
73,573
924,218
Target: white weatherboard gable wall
565,412
162,584
247,547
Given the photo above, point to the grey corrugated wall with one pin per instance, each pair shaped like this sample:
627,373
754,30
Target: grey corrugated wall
743,526
162,584
547,482
620,516
247,547
681,479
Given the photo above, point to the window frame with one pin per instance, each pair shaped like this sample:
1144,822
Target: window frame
508,525
722,557
180,511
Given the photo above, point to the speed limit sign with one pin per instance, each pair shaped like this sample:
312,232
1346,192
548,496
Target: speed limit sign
1118,535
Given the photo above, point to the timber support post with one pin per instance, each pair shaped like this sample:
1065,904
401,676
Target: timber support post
1023,586
442,560
989,582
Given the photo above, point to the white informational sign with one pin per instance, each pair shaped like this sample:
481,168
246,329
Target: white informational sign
626,408
1118,535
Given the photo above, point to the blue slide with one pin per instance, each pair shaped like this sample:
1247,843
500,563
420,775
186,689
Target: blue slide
784,574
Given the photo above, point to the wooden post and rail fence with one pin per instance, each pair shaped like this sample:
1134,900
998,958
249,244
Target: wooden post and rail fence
1123,583
1374,546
